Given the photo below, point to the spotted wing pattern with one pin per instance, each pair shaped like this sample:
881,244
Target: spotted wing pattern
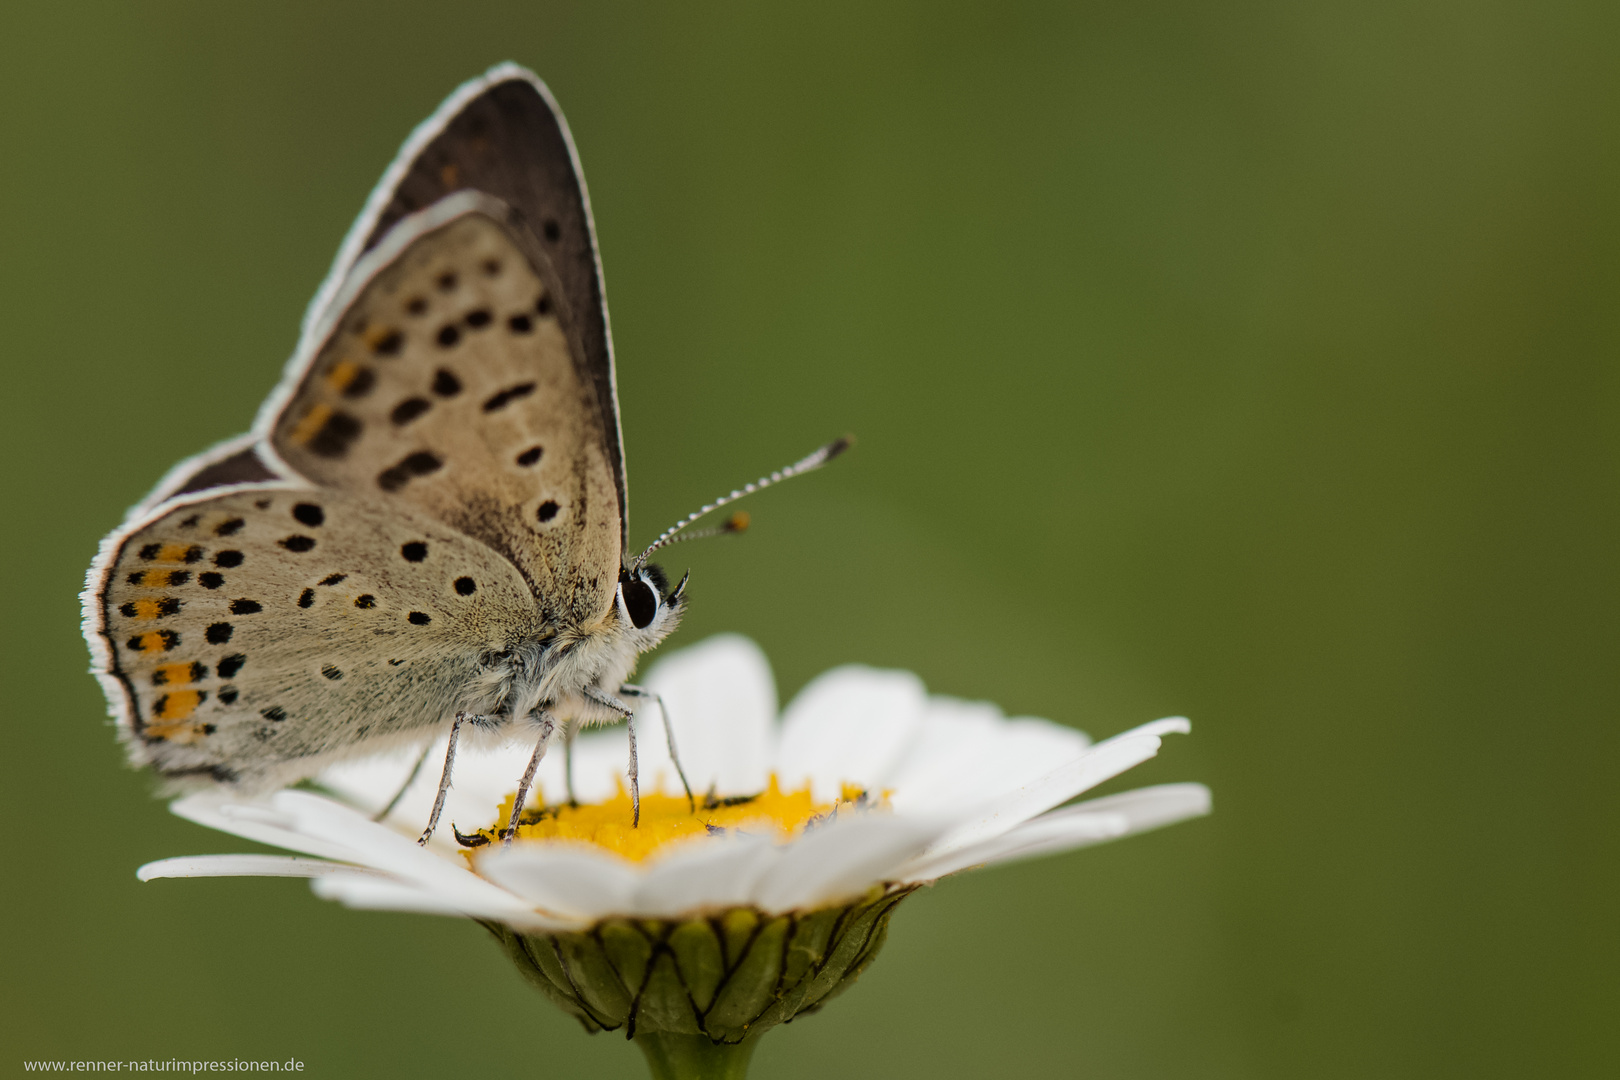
504,135
448,386
252,633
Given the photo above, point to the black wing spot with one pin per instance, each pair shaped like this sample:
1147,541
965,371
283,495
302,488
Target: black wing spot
179,577
395,663
331,672
418,464
332,579
414,551
409,410
542,306
447,281
492,267
297,544
530,456
503,398
230,665
552,230
199,671
150,551
164,639
246,607
389,344
416,305
274,712
229,528
365,601
361,384
448,335
210,580
169,605
262,504
520,324
333,440
228,559
219,633
308,514
466,586
445,384
479,318
191,522
419,618
193,554
548,510
306,598
228,695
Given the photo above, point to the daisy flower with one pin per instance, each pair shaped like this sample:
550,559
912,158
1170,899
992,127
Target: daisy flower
703,927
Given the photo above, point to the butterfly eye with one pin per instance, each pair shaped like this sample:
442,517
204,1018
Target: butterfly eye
640,601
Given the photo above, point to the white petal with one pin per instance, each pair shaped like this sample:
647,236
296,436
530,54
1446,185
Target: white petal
571,880
381,848
1101,762
602,763
708,874
841,859
851,725
256,821
722,703
1108,818
370,782
965,754
241,866
384,894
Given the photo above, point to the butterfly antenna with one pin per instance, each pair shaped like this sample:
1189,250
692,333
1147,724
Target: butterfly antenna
739,522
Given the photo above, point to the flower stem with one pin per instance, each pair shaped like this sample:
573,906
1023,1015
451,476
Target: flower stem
671,1056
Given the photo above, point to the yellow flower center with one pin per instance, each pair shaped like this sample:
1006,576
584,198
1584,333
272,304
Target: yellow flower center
668,819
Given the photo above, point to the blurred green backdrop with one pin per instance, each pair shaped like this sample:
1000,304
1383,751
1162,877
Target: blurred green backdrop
1254,361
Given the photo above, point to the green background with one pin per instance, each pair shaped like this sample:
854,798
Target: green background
1253,361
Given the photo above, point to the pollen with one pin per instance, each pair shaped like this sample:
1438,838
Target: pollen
668,819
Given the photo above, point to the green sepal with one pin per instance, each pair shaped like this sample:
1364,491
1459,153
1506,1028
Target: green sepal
697,954
721,980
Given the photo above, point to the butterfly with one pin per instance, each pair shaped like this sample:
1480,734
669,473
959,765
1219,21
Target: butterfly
426,527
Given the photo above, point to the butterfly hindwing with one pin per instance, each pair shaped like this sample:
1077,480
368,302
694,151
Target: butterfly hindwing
448,385
246,634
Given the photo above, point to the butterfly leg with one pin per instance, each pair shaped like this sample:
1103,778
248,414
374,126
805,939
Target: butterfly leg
547,726
421,759
669,736
444,778
630,726
569,731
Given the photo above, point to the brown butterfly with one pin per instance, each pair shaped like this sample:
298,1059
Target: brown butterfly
426,528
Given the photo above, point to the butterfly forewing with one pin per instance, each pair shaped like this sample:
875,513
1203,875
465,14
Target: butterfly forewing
448,386
251,632
509,140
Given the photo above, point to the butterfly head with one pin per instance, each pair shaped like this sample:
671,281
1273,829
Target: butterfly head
647,606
